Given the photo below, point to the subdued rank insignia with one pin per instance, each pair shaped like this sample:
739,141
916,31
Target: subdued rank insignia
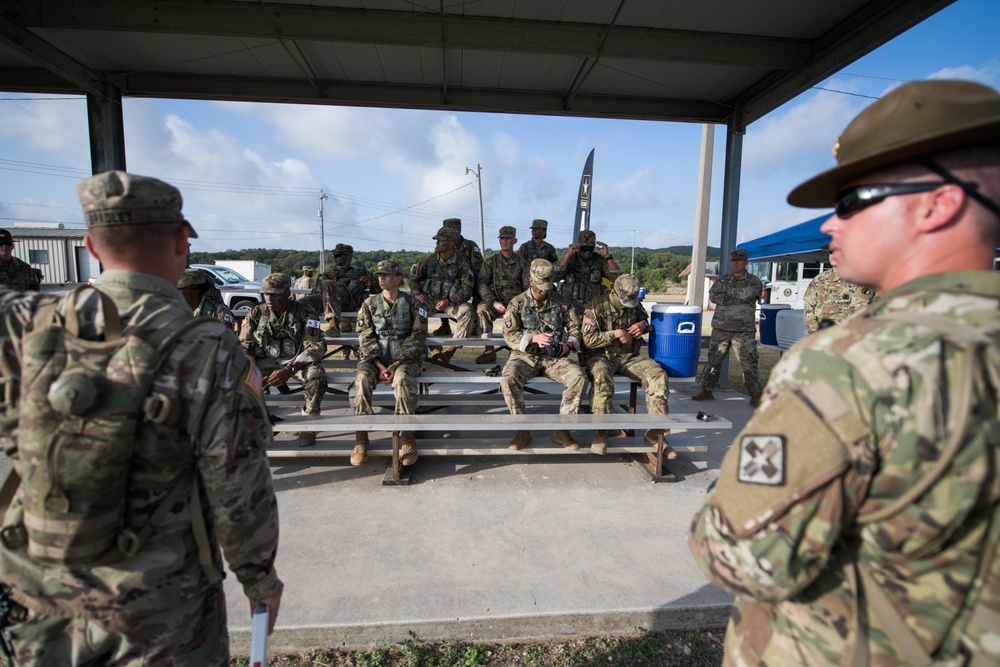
762,460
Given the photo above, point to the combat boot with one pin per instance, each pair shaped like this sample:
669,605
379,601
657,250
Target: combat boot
565,439
703,395
521,440
360,454
447,353
307,438
652,437
443,329
600,443
408,453
331,327
489,356
754,401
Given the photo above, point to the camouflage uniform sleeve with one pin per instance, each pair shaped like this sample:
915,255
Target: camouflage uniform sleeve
513,328
560,269
233,436
414,347
717,293
486,292
418,276
313,344
608,272
247,329
367,340
595,333
525,275
462,290
571,324
811,303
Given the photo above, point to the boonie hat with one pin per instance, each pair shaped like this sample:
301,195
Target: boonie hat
119,198
587,237
343,248
738,254
276,283
541,274
507,232
915,120
453,223
192,277
627,289
538,223
5,237
389,266
447,234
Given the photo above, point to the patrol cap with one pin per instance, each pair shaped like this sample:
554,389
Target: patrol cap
453,223
389,266
738,254
276,283
5,237
307,268
587,237
343,249
507,232
447,234
917,119
627,289
538,223
192,277
541,274
119,198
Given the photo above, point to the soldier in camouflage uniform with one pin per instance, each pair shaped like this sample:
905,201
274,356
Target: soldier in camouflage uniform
504,276
613,327
830,300
468,249
14,273
162,605
735,296
343,287
542,329
283,337
442,282
392,333
196,288
584,271
856,516
538,247
305,281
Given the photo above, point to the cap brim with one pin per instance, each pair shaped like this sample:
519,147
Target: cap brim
546,285
629,303
821,191
191,232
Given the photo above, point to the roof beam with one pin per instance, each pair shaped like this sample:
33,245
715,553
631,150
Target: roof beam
39,51
336,24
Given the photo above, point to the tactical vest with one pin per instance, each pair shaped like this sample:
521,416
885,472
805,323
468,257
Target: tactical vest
547,319
81,410
583,281
617,318
350,280
281,341
393,331
443,277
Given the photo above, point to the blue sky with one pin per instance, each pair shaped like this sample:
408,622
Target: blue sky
251,174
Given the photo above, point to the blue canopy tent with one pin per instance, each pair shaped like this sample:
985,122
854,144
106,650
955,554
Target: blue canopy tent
799,243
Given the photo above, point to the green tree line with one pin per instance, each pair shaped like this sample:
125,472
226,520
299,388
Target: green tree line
656,268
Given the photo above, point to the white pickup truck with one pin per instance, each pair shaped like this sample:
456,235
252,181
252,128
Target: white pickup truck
237,291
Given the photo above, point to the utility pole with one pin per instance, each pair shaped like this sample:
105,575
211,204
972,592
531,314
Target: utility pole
632,270
322,239
479,184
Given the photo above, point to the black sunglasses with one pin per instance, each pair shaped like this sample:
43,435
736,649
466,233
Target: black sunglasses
860,197
341,254
586,248
8,243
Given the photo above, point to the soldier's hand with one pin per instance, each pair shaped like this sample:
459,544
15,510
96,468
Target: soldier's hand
499,307
278,377
542,339
442,304
623,335
564,349
273,601
602,248
573,247
422,298
637,329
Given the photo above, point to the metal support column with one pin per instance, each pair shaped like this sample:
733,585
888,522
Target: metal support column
107,129
730,208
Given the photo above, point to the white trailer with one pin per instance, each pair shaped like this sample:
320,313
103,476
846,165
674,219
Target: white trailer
252,269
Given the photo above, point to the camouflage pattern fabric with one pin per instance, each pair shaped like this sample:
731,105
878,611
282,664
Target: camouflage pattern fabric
18,275
853,417
303,282
389,333
583,280
217,310
735,300
214,392
525,317
745,349
193,632
451,279
530,251
829,297
275,341
351,280
501,279
604,355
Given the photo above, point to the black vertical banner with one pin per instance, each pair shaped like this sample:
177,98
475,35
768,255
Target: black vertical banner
584,198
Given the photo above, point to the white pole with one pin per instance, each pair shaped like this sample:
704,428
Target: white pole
479,183
322,239
696,281
632,270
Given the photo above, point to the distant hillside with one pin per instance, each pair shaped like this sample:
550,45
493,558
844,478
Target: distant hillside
686,251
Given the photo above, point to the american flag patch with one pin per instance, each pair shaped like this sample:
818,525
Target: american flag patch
254,379
590,321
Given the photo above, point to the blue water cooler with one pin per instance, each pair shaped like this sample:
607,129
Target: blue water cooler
769,321
675,342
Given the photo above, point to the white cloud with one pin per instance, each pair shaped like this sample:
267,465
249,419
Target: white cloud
988,74
507,150
637,192
56,127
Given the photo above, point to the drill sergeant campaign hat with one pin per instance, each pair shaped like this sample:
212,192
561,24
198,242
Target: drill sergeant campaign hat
6,238
447,234
627,290
538,223
738,254
541,274
914,121
389,266
119,198
507,232
453,223
276,283
587,238
193,277
343,249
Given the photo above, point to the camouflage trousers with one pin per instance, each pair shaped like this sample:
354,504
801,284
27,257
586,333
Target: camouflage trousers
464,316
192,632
486,315
312,377
521,367
652,376
404,388
745,348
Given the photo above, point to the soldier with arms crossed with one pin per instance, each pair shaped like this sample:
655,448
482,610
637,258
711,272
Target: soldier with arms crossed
855,517
392,333
504,276
305,281
14,273
542,329
196,472
829,299
613,327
